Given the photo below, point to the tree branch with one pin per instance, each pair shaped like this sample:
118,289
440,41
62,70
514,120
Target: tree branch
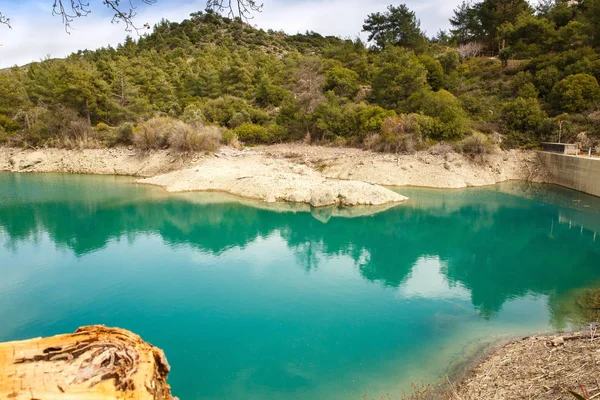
69,10
4,20
242,9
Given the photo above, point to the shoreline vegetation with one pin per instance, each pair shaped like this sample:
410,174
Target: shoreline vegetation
297,173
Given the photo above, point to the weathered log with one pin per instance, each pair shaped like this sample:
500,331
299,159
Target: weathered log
93,363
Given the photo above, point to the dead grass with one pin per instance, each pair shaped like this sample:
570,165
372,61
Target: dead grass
538,367
186,138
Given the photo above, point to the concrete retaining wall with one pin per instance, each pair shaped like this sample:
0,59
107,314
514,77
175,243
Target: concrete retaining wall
579,173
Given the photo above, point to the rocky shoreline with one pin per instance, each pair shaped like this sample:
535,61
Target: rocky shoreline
315,175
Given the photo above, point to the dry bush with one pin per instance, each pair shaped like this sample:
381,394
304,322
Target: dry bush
470,50
186,138
441,149
154,133
477,145
372,141
400,134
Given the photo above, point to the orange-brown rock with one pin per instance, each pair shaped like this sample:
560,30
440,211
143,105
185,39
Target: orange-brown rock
93,363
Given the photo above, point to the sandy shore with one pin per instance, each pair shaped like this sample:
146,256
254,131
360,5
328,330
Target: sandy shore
319,176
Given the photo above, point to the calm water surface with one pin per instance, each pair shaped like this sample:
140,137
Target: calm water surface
251,303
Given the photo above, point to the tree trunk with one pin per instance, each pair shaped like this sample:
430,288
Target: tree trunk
94,363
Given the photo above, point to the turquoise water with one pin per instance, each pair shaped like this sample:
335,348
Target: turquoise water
251,303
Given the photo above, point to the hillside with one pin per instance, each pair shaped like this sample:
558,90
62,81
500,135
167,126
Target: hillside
209,79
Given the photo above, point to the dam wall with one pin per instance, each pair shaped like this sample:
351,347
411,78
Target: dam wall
579,173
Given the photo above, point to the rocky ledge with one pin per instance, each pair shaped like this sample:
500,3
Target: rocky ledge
258,178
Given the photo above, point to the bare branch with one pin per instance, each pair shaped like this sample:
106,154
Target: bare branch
242,9
4,20
125,11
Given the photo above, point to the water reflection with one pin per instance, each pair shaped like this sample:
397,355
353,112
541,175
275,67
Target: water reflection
489,245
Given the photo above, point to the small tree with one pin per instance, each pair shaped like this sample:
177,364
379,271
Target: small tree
398,26
524,115
342,81
575,93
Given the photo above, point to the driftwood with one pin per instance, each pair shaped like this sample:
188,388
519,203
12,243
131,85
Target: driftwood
93,363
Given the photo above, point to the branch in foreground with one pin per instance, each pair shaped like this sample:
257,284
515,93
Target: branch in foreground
125,11
4,20
242,9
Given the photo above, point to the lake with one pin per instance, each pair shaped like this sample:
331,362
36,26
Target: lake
257,303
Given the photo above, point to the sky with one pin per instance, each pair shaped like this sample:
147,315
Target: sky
37,34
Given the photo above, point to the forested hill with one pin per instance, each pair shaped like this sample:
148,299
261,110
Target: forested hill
505,74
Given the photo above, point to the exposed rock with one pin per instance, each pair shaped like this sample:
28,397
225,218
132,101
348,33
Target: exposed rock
253,178
94,363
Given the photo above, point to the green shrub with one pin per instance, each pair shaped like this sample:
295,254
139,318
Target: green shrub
193,115
268,94
125,133
524,115
575,93
275,133
221,110
450,60
228,137
449,119
8,124
251,133
350,120
400,75
435,72
342,81
545,79
238,119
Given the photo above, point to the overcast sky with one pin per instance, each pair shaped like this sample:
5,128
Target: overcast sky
36,34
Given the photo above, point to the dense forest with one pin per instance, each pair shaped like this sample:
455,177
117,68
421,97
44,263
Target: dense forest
505,75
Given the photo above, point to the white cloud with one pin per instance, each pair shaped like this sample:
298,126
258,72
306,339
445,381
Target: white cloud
36,33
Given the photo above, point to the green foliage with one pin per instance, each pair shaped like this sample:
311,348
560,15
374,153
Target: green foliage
435,72
524,115
342,81
276,87
221,111
228,137
522,86
268,94
256,134
575,93
482,21
398,26
449,119
351,121
449,59
193,114
400,74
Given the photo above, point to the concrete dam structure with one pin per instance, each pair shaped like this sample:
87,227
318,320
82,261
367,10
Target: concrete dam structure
579,173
